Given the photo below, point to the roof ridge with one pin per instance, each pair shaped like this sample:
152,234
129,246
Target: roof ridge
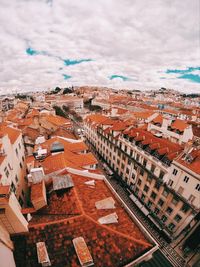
118,233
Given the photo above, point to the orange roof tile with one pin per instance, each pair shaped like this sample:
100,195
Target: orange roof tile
73,214
179,125
13,133
194,165
158,119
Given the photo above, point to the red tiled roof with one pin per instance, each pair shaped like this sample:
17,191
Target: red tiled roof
179,125
194,165
73,214
13,133
163,145
158,119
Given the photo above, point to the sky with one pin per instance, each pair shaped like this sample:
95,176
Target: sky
125,44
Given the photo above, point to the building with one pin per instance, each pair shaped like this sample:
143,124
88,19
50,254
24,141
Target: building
144,163
178,131
81,203
13,167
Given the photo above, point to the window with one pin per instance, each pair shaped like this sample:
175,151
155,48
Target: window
9,166
13,188
144,162
161,175
153,195
156,211
175,200
118,161
141,172
174,172
19,146
125,148
127,170
143,197
157,185
160,202
186,179
149,178
180,190
153,168
136,190
16,151
139,182
123,157
169,210
165,193
146,188
6,172
185,208
191,198
21,202
122,165
22,158
16,178
177,218
20,165
149,204
170,183
137,158
197,187
129,161
171,226
164,218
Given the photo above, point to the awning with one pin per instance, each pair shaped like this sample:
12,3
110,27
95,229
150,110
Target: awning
139,204
155,222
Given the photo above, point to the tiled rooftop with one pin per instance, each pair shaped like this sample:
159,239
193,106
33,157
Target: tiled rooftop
73,214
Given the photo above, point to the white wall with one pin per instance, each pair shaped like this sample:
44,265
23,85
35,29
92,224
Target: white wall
6,256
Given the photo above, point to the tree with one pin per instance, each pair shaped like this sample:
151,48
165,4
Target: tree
67,91
95,108
59,111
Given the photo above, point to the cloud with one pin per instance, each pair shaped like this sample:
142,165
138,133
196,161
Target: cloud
90,40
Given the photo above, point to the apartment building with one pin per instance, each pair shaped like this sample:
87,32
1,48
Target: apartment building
178,131
144,163
12,167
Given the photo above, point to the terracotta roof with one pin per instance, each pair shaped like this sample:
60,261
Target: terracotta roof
158,119
64,133
2,159
31,133
57,120
4,189
73,214
179,125
13,133
36,191
194,165
162,145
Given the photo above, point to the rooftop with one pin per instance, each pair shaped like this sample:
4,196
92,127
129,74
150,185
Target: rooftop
73,214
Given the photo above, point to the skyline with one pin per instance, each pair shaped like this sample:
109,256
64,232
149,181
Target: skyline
120,44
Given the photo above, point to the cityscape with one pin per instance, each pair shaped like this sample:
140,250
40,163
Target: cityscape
99,177
100,133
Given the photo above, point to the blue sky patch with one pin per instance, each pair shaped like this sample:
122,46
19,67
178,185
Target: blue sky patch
114,76
186,74
69,62
31,52
188,70
66,77
192,77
